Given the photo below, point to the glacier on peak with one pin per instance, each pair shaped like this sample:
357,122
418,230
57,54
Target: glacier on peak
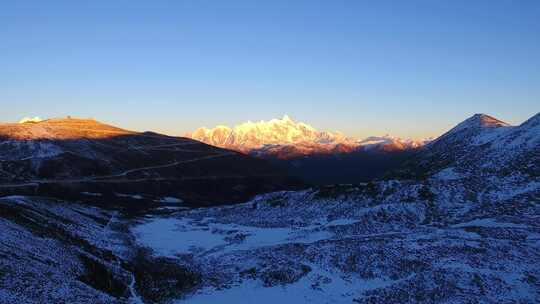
479,121
30,120
289,138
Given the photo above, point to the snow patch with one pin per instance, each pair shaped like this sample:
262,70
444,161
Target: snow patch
170,199
91,193
318,287
173,236
489,223
133,196
30,120
448,174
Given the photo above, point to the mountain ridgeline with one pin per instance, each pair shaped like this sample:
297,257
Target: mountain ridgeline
85,158
318,157
480,145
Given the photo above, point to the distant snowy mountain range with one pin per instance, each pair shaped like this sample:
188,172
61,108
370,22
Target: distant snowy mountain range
285,138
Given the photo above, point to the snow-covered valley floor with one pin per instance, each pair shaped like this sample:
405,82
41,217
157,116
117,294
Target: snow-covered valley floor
297,247
391,242
173,236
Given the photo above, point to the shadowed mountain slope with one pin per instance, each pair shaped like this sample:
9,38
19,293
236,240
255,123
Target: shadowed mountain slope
480,145
74,157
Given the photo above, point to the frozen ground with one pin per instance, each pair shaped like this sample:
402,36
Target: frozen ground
350,246
58,252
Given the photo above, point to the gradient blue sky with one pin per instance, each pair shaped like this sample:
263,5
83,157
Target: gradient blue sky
408,68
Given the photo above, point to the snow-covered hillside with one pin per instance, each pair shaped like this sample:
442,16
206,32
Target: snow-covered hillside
58,252
391,242
482,145
53,251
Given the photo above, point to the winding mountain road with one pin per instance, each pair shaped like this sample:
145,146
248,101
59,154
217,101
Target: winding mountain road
114,177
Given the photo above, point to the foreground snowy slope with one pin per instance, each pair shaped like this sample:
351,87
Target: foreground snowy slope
395,243
465,231
54,251
57,252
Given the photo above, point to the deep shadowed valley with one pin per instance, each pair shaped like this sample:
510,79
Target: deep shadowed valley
343,168
317,157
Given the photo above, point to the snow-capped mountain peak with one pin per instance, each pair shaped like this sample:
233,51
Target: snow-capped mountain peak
30,120
254,135
288,138
533,122
482,143
480,121
286,118
478,128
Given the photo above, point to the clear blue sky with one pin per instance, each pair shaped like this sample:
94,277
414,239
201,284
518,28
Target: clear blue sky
408,68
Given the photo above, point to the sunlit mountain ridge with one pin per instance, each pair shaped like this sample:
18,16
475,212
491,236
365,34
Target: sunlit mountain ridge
286,138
